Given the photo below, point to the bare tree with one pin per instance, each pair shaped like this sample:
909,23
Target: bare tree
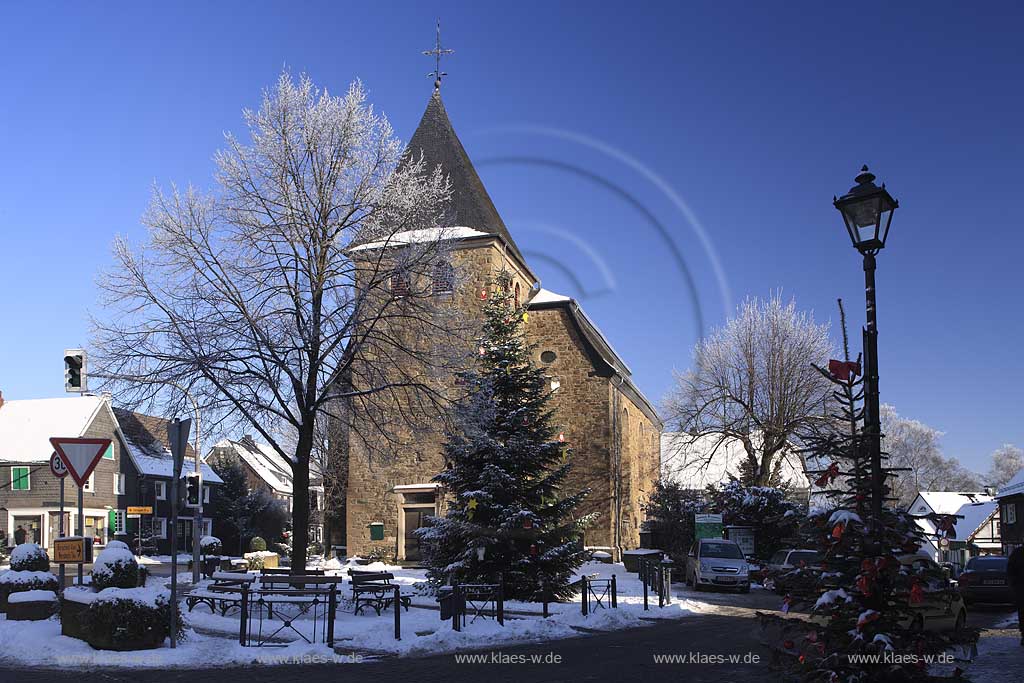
752,381
251,296
1007,461
917,447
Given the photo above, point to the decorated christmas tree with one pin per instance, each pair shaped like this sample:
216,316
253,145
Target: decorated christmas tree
858,614
508,518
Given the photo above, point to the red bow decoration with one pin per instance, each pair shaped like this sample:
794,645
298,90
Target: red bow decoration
916,594
843,369
837,531
828,476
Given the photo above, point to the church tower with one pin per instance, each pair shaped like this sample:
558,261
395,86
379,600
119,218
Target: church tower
612,428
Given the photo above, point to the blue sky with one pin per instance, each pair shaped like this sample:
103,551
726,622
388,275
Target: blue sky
605,136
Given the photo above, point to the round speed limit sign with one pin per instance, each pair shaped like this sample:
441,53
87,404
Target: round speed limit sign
57,466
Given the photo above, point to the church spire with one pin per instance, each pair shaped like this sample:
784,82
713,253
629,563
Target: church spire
470,206
437,53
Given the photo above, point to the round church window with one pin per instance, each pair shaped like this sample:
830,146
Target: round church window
548,356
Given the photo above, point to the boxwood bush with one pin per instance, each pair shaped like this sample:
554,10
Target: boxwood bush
29,557
257,544
115,568
124,622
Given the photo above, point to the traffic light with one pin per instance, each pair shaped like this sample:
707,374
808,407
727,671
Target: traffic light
74,370
192,488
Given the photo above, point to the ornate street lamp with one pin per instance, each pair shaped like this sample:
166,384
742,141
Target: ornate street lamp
867,211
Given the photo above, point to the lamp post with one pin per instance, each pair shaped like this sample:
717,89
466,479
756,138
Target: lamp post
867,211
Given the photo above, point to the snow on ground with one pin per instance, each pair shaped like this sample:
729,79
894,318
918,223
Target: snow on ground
183,558
213,639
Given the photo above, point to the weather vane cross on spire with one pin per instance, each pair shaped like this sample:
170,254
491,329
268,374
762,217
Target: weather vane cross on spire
437,53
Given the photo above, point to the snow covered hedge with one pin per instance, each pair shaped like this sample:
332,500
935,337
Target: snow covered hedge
115,568
29,557
210,545
12,581
120,618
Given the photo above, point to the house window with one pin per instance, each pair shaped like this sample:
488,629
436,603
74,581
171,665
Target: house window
160,527
548,356
444,277
119,484
1009,515
207,526
160,490
20,479
399,284
206,494
117,521
89,485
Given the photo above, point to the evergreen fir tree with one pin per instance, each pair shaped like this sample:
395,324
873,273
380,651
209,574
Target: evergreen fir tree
507,517
866,595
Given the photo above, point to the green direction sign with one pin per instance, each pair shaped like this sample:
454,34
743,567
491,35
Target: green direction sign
707,526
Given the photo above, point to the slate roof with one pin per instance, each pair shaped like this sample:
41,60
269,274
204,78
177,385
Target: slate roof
471,206
146,437
1014,486
264,460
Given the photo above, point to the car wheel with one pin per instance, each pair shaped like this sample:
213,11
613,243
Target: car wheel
696,584
961,621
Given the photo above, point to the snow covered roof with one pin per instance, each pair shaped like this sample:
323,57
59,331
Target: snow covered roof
696,463
974,515
422,236
1015,485
264,461
945,502
145,436
546,296
27,425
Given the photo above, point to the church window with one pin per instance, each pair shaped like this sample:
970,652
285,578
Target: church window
444,277
548,356
517,295
399,284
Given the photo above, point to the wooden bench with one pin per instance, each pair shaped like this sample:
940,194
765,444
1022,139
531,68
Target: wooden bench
376,590
278,577
224,593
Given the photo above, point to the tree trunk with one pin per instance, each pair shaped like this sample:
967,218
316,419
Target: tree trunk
300,498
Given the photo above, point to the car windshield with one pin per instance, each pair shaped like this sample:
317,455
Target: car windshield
987,564
727,550
778,558
808,556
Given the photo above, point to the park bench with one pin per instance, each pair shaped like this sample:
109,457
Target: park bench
224,593
376,590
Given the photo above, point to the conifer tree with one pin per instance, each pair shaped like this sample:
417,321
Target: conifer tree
508,517
870,591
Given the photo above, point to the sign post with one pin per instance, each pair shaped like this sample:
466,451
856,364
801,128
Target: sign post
80,457
177,437
60,471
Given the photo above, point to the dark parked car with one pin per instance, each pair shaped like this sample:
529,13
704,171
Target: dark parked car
984,580
783,562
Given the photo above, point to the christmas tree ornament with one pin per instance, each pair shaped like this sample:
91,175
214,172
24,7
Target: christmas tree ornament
483,294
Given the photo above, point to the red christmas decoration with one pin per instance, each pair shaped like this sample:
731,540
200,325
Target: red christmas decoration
828,476
864,585
561,437
527,523
916,594
483,294
837,531
843,369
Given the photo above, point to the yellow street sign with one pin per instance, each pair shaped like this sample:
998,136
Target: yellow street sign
71,550
140,510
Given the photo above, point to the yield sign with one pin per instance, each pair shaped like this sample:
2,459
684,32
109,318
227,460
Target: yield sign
80,455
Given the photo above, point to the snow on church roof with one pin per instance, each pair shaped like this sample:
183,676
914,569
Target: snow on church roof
546,296
27,425
422,236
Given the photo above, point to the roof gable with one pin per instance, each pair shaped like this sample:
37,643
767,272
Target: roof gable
27,425
145,440
471,206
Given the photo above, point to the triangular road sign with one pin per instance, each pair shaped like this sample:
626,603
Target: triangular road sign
80,455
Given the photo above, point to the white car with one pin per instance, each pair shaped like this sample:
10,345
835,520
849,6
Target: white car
717,562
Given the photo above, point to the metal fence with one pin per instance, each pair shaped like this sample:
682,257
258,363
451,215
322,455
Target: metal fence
656,575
